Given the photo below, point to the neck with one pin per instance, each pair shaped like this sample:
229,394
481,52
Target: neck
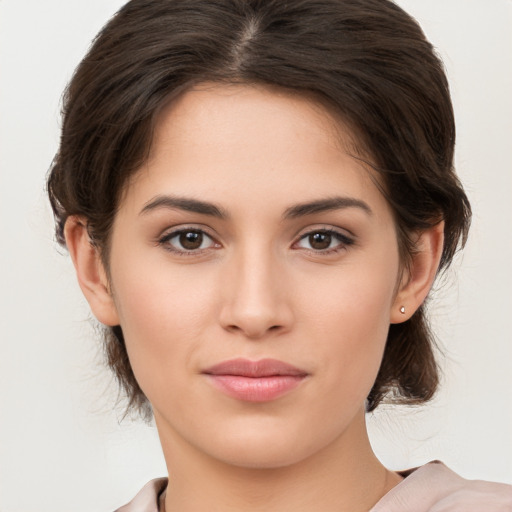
344,476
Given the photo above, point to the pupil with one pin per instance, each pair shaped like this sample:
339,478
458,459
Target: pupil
320,240
191,240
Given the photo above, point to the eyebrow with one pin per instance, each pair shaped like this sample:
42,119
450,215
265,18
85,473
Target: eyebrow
324,205
184,203
293,212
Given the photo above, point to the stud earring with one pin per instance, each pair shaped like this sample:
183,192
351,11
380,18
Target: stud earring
402,310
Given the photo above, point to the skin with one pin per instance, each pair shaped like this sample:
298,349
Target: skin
259,286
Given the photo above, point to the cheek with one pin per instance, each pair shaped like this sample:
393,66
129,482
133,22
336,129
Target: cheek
349,316
162,316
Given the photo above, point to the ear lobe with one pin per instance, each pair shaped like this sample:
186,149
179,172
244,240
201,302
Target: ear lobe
419,279
90,272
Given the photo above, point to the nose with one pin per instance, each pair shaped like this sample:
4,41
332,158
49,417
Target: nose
255,297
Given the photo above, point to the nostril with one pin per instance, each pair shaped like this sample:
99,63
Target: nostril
252,331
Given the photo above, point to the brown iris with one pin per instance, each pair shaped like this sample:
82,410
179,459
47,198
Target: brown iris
320,241
191,240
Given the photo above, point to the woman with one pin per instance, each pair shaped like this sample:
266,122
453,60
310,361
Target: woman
257,197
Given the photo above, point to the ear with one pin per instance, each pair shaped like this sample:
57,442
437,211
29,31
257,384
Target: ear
90,272
418,279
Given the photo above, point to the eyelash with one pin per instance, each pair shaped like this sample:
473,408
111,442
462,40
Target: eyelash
164,241
344,241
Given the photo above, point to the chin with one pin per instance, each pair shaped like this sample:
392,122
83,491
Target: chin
262,455
269,446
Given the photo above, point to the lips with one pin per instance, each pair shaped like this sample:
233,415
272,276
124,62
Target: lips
255,381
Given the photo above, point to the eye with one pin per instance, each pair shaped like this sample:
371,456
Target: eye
187,240
324,240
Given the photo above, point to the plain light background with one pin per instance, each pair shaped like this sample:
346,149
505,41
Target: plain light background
62,446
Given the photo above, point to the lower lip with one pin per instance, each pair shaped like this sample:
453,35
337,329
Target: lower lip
256,389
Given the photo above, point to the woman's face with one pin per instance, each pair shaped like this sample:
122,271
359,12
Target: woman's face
253,266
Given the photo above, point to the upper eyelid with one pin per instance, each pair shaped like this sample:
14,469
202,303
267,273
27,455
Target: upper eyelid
180,228
343,232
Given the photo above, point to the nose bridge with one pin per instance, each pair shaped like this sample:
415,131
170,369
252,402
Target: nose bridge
256,301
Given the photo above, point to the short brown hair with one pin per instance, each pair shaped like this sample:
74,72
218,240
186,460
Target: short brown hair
367,59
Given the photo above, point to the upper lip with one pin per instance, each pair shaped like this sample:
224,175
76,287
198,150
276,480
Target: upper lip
255,369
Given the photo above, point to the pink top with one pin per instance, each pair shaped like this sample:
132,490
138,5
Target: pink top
430,488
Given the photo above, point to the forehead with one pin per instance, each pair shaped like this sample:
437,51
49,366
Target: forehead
272,141
291,112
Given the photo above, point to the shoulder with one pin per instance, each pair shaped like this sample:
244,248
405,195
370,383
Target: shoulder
147,499
436,488
430,488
